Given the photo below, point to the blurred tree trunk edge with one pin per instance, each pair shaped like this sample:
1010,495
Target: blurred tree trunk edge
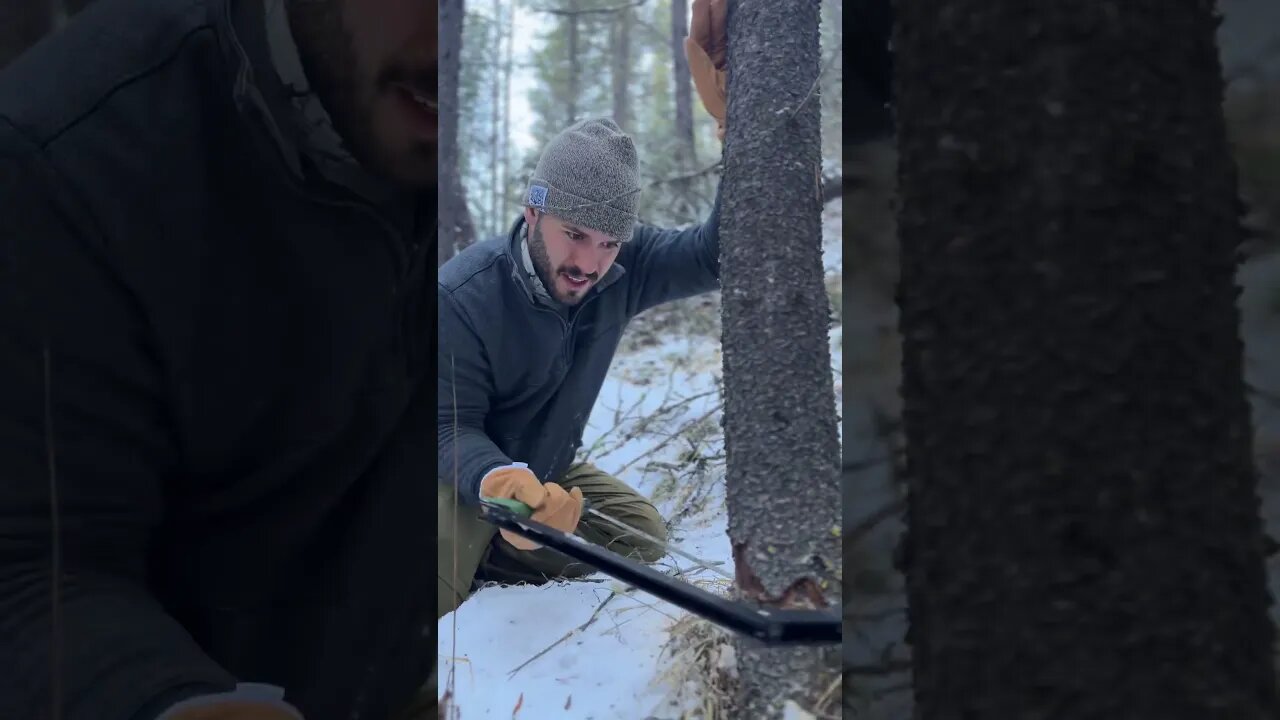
781,441
1083,533
456,228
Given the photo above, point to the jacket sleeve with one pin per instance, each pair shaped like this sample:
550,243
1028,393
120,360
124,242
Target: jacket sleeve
84,447
465,385
664,265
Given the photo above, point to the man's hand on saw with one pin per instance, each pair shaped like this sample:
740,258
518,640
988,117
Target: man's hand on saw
551,504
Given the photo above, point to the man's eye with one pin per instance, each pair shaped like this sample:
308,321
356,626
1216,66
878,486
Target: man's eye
614,245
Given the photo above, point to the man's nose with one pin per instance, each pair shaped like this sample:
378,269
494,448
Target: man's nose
586,259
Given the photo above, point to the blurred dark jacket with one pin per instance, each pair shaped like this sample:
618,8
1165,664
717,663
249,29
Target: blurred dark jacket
215,364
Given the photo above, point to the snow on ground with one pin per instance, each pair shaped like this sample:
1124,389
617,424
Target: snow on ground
593,648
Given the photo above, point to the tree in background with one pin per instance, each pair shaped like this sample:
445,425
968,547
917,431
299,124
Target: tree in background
644,79
781,443
456,228
621,72
1083,530
683,91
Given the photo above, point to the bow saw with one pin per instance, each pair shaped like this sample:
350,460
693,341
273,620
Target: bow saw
769,626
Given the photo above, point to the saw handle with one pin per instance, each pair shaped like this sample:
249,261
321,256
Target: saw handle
520,508
511,505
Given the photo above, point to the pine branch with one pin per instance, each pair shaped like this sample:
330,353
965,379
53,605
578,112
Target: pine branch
687,176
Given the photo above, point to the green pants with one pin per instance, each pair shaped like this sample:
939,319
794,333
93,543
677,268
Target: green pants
471,549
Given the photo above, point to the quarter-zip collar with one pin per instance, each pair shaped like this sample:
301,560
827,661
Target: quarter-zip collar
270,89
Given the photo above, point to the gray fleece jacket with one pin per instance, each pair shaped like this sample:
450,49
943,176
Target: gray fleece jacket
517,378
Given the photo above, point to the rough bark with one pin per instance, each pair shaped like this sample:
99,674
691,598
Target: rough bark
456,228
22,24
682,84
621,75
1084,538
782,449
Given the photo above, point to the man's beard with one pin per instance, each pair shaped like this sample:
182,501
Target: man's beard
542,266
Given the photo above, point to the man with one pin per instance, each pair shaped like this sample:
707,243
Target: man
529,323
215,218
528,326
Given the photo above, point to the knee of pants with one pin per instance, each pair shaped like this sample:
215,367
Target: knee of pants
650,521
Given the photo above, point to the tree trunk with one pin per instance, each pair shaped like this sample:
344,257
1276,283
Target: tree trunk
1084,537
22,24
456,229
571,102
682,84
495,219
509,31
622,69
782,449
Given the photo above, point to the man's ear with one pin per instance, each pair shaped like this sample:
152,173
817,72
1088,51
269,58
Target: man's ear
530,215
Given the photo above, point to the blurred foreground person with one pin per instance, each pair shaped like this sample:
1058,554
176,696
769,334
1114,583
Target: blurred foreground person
215,358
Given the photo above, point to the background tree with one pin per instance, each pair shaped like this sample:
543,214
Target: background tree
629,60
456,229
1083,529
621,72
781,443
683,90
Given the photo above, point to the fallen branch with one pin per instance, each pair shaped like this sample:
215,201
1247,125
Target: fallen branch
567,635
596,613
687,176
667,440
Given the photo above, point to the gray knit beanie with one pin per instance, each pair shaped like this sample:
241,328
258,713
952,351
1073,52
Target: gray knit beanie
589,175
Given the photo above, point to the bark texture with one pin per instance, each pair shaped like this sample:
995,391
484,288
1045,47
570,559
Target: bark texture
456,228
782,448
1084,538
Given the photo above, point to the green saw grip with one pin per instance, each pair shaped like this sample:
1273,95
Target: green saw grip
511,504
520,508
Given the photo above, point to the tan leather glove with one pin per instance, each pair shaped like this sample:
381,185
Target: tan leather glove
552,506
249,701
707,50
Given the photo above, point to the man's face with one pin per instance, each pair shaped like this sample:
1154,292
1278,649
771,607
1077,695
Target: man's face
373,64
569,258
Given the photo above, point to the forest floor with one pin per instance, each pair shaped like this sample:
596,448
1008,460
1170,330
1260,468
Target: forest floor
593,648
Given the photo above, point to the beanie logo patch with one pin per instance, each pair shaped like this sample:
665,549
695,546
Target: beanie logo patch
538,196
